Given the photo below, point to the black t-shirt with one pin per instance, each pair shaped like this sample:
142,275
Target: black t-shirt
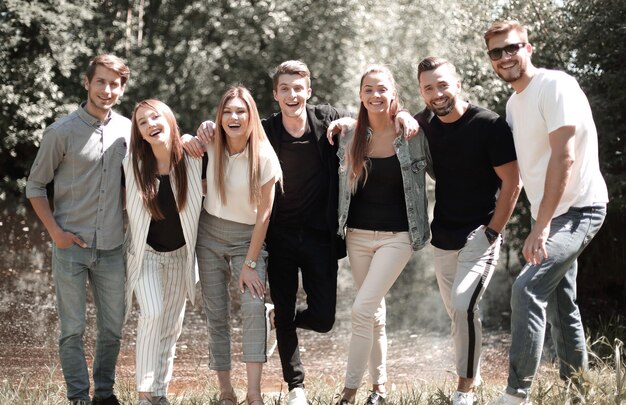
305,183
166,235
379,204
464,154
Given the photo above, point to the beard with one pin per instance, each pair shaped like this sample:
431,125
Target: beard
444,109
512,75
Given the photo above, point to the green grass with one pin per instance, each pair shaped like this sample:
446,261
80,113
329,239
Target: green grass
604,383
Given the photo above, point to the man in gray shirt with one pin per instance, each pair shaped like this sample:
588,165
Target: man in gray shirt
82,153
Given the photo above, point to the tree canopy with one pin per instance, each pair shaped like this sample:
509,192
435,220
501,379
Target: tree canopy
186,52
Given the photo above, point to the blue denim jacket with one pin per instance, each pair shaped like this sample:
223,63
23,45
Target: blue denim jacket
414,157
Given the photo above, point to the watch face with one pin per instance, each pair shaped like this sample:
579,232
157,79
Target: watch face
251,263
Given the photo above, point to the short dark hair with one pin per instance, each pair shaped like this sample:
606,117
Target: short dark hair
291,67
432,63
110,62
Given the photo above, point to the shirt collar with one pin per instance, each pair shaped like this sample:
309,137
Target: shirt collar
90,119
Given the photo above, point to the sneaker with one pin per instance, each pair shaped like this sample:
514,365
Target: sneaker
270,338
296,396
112,400
462,398
508,399
375,398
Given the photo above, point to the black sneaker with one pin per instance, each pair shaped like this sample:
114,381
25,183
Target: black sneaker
375,398
112,400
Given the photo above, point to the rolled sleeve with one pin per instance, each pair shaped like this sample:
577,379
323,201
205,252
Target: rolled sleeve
46,162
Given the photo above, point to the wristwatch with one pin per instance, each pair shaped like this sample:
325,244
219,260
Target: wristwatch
492,236
250,263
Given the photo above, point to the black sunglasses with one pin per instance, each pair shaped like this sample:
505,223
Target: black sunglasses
511,49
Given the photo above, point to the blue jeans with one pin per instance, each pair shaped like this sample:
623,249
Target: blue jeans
106,272
547,293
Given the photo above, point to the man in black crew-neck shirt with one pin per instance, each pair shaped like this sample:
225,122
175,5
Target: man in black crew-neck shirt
476,187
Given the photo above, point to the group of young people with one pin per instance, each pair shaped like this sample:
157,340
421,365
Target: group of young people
287,197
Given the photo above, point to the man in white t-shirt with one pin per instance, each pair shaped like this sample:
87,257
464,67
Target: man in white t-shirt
557,151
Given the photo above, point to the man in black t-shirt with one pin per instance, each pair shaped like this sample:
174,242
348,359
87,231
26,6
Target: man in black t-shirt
476,187
303,227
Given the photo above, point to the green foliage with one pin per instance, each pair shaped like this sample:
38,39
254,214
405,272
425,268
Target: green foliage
598,39
186,52
33,55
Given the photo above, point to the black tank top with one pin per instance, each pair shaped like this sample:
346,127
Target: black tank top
379,204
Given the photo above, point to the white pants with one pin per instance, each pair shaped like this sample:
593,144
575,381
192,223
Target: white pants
463,276
376,259
161,294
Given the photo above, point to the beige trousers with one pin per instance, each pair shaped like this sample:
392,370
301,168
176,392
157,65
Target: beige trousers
376,259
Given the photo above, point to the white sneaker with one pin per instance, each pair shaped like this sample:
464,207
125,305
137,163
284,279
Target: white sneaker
462,398
270,338
296,397
508,399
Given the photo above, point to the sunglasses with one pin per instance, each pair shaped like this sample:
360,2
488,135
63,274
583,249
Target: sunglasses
511,49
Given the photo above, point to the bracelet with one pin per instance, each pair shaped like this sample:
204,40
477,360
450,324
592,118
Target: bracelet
491,235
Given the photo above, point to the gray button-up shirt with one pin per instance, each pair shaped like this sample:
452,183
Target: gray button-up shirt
84,158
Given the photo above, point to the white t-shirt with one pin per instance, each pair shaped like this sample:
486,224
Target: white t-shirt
236,185
551,100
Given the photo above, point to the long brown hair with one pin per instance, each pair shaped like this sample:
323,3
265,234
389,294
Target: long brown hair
357,152
145,163
255,135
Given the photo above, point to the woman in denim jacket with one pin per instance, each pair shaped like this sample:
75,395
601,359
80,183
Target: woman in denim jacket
382,215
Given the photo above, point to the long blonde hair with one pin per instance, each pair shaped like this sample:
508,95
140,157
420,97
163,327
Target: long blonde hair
255,135
357,152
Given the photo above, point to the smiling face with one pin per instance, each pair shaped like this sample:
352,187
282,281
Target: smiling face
103,91
153,126
511,68
235,121
440,88
377,92
292,91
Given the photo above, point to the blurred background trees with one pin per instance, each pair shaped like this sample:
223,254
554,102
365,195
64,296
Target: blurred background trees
186,52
